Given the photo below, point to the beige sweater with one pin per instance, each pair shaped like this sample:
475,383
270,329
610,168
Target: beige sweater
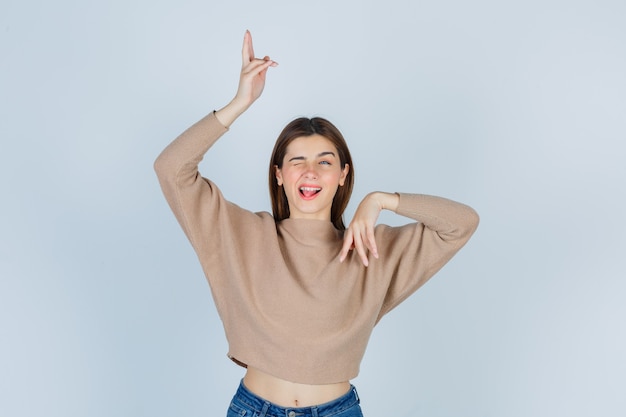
288,306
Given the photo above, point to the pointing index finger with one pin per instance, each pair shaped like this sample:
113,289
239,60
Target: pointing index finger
247,50
347,245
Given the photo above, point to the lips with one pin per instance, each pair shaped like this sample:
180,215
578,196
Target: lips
309,192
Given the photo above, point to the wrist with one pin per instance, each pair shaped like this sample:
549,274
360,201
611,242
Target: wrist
229,113
240,104
385,201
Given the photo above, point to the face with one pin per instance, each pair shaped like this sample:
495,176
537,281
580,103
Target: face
310,176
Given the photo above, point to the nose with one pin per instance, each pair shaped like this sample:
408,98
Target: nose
311,171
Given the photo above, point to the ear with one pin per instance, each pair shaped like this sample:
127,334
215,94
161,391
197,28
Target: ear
344,174
279,176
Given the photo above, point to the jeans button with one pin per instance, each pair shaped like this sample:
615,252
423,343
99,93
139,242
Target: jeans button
292,414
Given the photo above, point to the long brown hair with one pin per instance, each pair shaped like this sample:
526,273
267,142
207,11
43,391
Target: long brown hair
300,127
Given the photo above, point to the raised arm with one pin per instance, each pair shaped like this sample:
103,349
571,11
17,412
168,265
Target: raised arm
179,161
188,194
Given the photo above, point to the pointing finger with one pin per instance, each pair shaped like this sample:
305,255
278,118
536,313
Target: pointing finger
247,51
372,242
347,244
361,249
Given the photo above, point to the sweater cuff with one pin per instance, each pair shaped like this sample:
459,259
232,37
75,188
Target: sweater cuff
213,115
408,204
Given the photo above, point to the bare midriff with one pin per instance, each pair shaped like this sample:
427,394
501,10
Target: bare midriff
290,394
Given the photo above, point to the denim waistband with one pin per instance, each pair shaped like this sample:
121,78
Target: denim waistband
268,409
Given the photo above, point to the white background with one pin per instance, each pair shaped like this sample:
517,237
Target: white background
516,108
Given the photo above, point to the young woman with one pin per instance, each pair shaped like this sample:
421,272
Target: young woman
297,292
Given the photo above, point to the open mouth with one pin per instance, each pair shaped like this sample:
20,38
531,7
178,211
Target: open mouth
309,192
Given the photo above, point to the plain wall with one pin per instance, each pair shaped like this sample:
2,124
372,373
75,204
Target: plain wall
515,108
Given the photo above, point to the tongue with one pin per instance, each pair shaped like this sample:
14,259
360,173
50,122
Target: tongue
308,194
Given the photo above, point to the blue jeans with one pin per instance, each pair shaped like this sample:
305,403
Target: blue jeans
247,404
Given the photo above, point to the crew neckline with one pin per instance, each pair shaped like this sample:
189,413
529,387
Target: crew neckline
311,231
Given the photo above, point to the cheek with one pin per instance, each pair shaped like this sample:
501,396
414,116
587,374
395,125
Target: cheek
290,176
334,177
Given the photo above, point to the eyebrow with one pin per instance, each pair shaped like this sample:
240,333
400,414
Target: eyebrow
319,155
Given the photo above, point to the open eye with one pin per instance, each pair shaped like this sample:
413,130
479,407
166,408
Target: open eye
325,163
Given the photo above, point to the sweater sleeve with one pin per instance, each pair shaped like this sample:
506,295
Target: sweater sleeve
416,252
204,215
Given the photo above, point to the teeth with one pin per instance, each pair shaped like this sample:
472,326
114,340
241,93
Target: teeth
310,189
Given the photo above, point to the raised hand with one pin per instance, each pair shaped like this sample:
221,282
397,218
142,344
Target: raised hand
253,72
360,233
251,82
